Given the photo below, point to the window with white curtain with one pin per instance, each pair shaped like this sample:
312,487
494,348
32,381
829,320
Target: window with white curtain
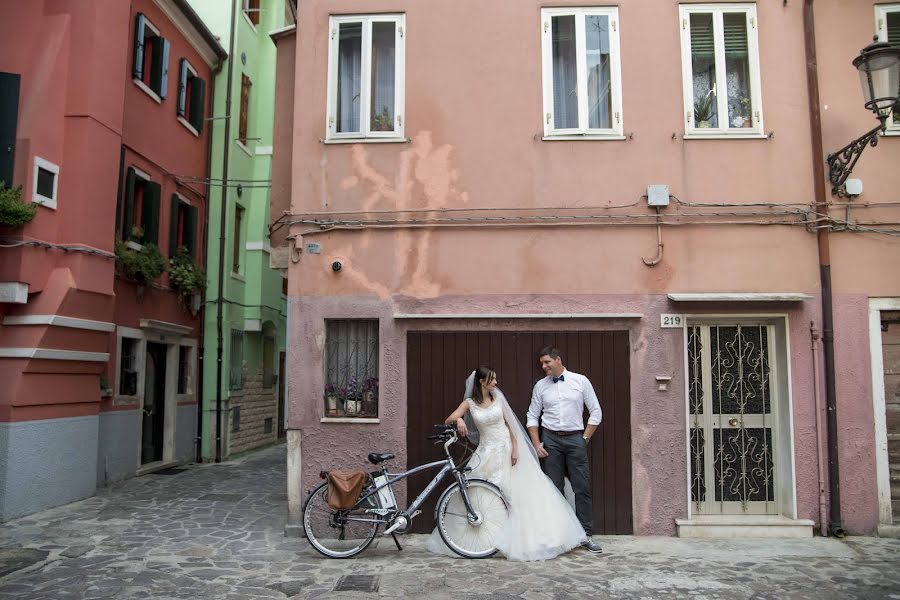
720,70
365,77
887,28
581,72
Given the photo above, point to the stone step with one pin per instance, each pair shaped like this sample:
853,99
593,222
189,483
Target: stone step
740,526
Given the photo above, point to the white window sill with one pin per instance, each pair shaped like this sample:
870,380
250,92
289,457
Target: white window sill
364,420
249,22
243,147
725,136
238,276
147,90
134,246
188,126
45,202
582,138
385,140
895,132
264,150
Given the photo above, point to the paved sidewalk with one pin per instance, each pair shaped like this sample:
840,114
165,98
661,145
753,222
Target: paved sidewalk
216,531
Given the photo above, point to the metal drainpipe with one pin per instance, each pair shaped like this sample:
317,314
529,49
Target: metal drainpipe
820,206
201,347
820,461
222,215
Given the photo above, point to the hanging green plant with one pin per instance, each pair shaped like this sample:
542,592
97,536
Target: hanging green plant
13,211
185,275
140,266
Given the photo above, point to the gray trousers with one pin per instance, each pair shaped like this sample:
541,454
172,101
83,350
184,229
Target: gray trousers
568,458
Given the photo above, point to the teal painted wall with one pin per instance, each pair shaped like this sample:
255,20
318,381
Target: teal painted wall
252,295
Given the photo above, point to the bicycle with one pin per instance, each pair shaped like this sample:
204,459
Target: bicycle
469,514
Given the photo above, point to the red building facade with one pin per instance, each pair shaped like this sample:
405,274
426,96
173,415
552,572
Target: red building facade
108,133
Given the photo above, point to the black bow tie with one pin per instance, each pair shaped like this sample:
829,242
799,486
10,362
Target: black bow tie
560,378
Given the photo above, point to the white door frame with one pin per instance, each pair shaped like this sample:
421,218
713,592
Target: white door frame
882,465
784,458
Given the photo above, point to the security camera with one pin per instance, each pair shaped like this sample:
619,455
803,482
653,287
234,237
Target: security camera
336,266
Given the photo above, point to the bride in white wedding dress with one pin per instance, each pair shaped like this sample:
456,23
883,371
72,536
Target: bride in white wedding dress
541,524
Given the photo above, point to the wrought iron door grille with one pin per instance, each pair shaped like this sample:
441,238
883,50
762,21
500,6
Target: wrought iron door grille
730,399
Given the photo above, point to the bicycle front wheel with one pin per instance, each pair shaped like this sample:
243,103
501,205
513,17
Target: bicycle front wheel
468,537
336,533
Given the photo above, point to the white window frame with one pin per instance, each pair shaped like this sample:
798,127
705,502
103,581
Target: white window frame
756,110
881,13
617,118
36,198
334,23
245,6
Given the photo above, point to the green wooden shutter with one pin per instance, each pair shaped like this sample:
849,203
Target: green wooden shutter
190,230
198,103
9,115
173,225
137,69
893,28
128,208
150,213
182,87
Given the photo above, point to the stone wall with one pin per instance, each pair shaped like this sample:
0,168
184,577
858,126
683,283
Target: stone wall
256,405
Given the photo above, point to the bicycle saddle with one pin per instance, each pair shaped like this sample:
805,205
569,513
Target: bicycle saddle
379,457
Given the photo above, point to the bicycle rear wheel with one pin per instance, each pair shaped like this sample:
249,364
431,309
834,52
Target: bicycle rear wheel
470,539
335,533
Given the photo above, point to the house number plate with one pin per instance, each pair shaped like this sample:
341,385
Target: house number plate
671,321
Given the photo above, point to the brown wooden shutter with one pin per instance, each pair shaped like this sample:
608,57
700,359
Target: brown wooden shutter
173,225
245,107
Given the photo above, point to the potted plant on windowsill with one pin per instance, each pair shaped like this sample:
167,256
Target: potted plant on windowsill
370,397
703,110
332,402
139,266
352,398
382,121
13,211
185,276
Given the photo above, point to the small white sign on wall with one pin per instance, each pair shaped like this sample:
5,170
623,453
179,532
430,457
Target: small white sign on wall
671,321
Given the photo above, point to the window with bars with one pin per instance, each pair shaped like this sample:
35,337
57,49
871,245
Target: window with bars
185,369
236,372
581,72
720,69
351,368
251,11
128,363
887,29
366,77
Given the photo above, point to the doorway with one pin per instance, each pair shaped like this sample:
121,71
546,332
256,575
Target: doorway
153,410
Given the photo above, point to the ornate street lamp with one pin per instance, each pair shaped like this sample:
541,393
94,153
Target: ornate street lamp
879,73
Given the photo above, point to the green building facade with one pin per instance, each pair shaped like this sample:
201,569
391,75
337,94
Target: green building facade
253,302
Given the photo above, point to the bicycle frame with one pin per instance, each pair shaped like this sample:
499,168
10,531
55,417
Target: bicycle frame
410,511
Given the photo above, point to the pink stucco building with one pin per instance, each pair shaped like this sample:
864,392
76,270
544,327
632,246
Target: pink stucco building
465,184
105,105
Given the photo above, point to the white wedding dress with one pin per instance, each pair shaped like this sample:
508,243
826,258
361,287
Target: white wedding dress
541,524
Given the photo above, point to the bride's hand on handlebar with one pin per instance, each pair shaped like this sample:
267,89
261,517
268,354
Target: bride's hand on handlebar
461,428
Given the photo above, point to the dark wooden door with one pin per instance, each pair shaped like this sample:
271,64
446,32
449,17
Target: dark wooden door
438,364
154,418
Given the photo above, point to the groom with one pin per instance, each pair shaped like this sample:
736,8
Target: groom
562,397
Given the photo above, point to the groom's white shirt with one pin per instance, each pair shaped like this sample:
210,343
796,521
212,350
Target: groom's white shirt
563,402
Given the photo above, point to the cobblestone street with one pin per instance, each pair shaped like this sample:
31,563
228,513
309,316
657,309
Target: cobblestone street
216,531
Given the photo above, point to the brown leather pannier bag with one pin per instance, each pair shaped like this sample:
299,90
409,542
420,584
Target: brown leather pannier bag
344,488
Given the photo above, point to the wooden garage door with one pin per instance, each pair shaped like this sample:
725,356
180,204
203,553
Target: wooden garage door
439,362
